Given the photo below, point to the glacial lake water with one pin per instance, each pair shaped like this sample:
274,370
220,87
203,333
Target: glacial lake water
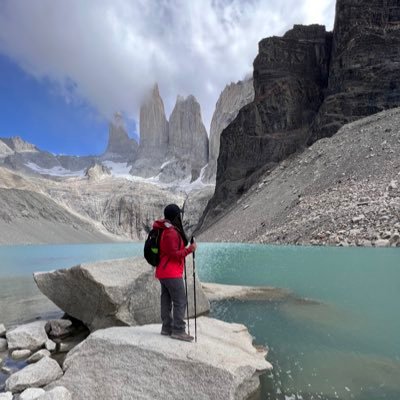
345,345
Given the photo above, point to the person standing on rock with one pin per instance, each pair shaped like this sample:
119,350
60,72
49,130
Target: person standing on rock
173,250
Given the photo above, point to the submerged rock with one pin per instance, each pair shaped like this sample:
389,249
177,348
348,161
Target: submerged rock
40,374
110,293
29,336
222,365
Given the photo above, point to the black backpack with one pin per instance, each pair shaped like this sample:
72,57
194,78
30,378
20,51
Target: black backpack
152,247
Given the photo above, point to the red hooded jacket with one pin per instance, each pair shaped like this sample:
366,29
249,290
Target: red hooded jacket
172,251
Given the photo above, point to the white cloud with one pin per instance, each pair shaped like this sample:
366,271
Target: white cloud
114,50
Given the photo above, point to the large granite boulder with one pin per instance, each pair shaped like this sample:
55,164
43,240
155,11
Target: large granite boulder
231,100
290,74
120,145
187,134
137,362
112,293
364,71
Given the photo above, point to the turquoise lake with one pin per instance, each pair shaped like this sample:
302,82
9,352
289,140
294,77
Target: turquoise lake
344,345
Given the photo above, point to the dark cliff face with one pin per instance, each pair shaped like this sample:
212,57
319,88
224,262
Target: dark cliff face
308,84
364,74
290,76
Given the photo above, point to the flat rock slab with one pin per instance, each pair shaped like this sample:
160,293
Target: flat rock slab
29,336
217,292
112,293
36,375
138,363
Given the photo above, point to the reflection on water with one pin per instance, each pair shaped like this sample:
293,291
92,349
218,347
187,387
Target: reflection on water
343,346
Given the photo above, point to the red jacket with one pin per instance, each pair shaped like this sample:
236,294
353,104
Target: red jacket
172,251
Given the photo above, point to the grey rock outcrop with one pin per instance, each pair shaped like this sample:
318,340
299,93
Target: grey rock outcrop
111,293
223,365
187,135
120,145
194,205
30,336
36,375
97,171
6,396
4,149
153,125
232,99
19,145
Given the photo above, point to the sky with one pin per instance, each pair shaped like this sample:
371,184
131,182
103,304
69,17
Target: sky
66,66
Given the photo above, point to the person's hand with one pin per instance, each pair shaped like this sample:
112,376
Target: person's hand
194,246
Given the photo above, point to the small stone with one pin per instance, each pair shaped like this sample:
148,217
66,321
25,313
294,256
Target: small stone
38,356
382,243
365,243
6,396
29,336
31,394
50,345
359,218
3,344
3,331
58,327
393,185
245,207
386,235
396,236
20,354
57,393
40,374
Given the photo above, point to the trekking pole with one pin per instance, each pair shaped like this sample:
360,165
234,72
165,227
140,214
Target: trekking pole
194,291
187,302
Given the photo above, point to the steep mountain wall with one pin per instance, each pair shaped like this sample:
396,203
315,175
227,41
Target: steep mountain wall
290,75
364,73
231,100
307,85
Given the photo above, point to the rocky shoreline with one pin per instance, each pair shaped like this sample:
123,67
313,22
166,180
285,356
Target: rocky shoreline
61,359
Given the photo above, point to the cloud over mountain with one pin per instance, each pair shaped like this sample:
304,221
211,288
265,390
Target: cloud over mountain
110,52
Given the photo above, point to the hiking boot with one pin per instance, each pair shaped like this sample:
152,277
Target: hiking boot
182,336
165,333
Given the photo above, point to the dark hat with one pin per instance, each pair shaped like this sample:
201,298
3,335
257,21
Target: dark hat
172,211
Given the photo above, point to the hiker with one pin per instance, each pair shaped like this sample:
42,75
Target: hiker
173,250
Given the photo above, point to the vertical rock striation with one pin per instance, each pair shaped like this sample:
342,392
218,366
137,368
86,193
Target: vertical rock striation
188,138
364,76
119,143
153,125
231,100
290,74
308,84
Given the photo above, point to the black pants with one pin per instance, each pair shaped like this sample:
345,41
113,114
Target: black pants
173,305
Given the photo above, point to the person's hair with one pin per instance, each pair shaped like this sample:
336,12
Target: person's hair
173,214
